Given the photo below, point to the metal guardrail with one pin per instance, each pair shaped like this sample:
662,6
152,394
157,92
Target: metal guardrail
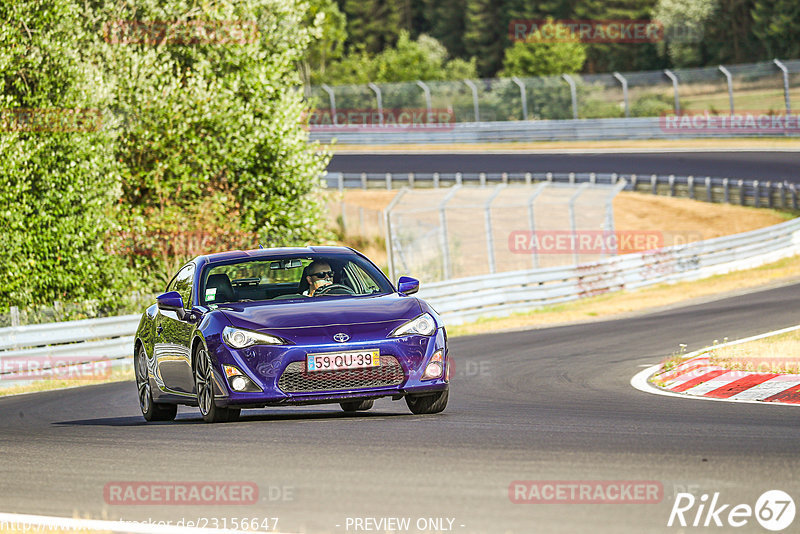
757,193
522,131
502,294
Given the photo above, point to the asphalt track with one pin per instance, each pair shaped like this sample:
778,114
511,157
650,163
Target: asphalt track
774,166
546,404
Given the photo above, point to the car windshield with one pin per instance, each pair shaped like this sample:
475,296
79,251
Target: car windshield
287,278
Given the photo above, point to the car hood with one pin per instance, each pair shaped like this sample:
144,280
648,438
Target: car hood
320,312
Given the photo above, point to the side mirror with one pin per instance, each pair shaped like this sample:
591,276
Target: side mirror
407,285
171,301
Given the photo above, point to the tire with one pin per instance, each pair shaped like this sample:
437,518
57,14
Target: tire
428,404
150,410
204,387
357,406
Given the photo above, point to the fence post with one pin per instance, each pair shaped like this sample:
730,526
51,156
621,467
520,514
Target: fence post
709,193
624,83
782,188
756,194
727,190
528,178
531,222
794,195
654,183
781,66
573,94
690,186
727,74
411,180
741,192
482,177
436,180
523,96
341,182
549,176
14,316
504,177
459,178
327,88
669,74
389,181
593,178
572,178
363,180
769,194
427,92
474,89
672,185
387,220
379,98
446,274
634,182
572,224
487,212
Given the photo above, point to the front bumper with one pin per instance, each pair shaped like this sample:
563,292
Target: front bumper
268,366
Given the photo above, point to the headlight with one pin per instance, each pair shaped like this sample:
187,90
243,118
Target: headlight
423,325
239,339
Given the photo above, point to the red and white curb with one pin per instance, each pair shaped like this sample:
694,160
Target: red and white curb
697,378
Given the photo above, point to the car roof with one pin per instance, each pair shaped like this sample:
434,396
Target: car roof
267,253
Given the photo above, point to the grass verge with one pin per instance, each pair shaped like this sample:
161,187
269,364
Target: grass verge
775,354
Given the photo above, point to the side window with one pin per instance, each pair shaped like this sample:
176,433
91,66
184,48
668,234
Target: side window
183,285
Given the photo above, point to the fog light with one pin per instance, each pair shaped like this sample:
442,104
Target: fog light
239,383
435,366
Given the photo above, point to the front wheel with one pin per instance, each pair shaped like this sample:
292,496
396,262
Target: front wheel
204,386
428,404
150,410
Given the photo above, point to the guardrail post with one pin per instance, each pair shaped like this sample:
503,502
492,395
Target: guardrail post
793,190
769,194
379,98
573,94
549,176
634,182
593,178
474,89
624,83
14,316
672,185
690,186
613,178
531,221
654,183
709,192
504,177
669,74
363,180
741,192
427,92
727,74
782,188
327,88
572,178
522,96
446,269
436,180
572,223
783,68
487,211
387,221
341,182
756,199
528,178
726,188
482,178
411,180
389,181
459,178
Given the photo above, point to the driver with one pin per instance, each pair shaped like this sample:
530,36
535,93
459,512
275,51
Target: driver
319,275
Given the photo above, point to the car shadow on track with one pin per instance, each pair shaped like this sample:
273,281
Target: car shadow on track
188,418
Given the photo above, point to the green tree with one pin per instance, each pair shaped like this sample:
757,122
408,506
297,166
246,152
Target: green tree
776,25
485,35
329,46
58,185
375,24
541,55
683,22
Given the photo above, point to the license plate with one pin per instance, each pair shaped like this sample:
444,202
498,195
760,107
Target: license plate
335,361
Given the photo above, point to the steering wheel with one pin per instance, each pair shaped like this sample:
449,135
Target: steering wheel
334,289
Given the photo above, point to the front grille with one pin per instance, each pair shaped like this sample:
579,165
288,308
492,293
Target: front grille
295,379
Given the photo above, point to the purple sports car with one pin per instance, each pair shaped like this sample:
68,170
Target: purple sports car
288,326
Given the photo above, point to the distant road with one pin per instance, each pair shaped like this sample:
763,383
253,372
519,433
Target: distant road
749,165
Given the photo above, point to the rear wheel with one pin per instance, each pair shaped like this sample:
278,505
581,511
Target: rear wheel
150,410
204,386
357,406
428,404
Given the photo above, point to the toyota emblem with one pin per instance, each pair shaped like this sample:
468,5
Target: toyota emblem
341,337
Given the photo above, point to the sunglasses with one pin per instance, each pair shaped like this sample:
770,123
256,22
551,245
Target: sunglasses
323,274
